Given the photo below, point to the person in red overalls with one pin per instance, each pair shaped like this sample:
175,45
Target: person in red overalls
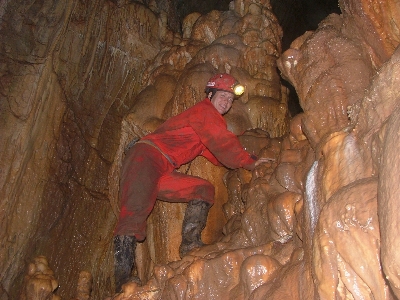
149,171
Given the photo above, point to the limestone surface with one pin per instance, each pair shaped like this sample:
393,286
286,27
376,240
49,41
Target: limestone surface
80,79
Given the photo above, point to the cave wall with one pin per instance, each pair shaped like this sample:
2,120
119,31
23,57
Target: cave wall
70,73
348,64
70,70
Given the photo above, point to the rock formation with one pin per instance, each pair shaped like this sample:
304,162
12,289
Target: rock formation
80,79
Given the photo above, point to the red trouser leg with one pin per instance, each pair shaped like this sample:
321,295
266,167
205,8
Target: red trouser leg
147,175
141,171
178,187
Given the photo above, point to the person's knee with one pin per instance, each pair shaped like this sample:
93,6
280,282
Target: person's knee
206,192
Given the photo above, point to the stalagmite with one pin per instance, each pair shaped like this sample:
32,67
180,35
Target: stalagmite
39,282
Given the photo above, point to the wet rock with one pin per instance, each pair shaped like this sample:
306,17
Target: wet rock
39,282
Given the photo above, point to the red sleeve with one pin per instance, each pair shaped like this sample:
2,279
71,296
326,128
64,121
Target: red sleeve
211,128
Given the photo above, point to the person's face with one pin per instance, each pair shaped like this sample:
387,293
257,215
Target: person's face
222,101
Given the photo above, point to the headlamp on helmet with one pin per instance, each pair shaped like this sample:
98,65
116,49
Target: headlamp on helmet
238,89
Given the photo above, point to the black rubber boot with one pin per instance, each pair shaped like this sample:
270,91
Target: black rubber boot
124,259
193,224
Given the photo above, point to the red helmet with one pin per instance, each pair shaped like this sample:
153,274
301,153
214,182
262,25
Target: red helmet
225,82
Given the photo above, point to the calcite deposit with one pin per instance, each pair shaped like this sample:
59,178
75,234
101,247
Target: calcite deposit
347,257
39,282
80,79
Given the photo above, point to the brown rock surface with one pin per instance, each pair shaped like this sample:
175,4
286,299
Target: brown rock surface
66,81
341,188
346,244
39,282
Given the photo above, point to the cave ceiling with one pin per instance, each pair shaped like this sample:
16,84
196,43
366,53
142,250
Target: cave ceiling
295,16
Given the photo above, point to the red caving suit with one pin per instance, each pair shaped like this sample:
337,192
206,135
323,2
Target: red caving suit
149,168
